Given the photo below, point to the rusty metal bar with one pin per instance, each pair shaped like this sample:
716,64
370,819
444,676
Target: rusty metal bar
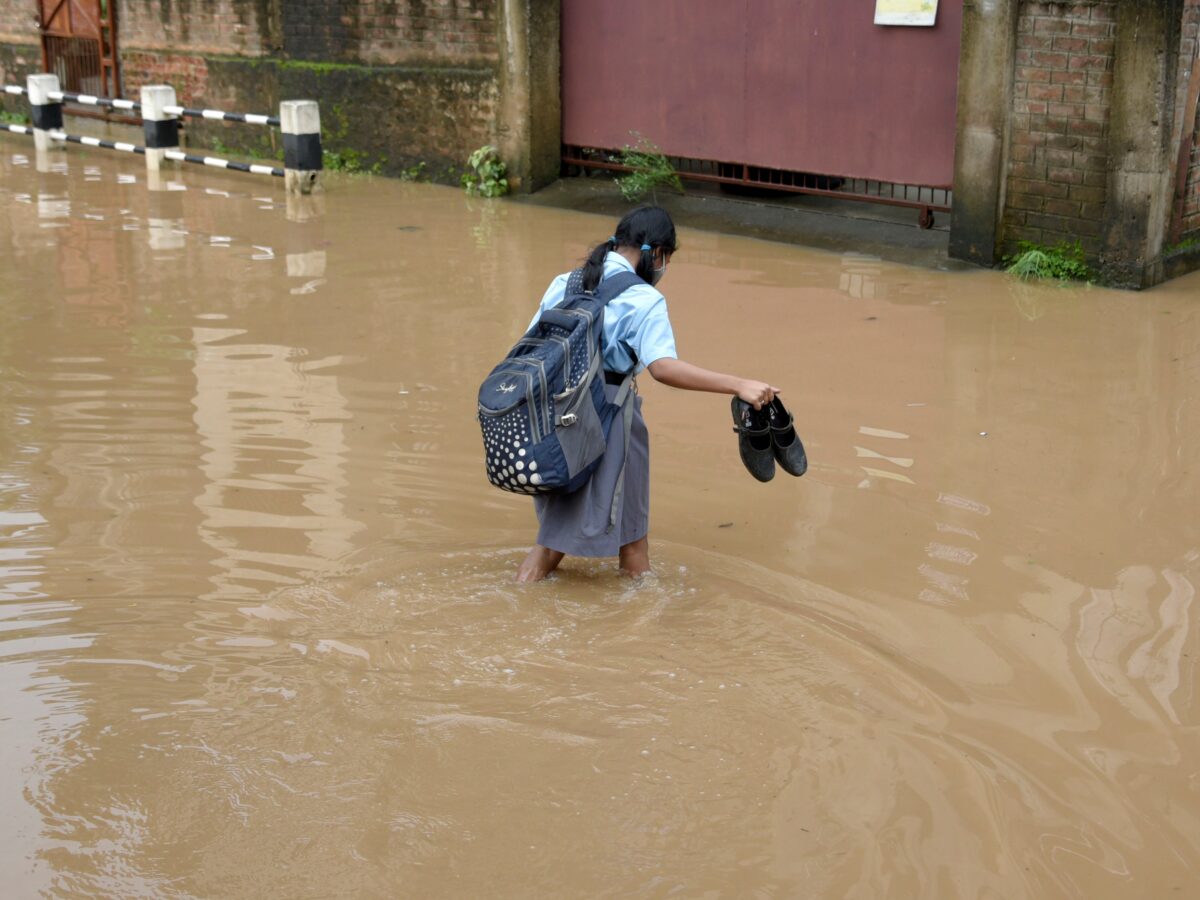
791,182
76,61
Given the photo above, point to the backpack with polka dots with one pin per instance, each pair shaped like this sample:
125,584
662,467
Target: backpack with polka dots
543,410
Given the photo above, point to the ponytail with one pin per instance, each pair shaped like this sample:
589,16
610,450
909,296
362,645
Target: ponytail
645,266
593,267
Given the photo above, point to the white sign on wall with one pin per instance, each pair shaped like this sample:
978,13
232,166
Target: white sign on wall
905,12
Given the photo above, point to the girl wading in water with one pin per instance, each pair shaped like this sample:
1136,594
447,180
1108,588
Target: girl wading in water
637,337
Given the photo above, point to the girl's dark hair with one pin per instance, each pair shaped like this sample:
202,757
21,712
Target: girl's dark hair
646,226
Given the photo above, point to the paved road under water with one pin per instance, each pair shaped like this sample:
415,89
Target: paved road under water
258,635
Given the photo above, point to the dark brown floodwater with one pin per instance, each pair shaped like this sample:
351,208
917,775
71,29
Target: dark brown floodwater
258,636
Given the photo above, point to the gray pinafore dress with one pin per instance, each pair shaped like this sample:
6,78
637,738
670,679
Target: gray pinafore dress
578,523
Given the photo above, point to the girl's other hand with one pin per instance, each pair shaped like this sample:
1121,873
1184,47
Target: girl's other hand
757,393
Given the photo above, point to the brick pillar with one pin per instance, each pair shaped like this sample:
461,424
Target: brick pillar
985,73
530,127
1139,141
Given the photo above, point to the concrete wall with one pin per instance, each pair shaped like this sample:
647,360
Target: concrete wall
1186,117
400,82
1141,158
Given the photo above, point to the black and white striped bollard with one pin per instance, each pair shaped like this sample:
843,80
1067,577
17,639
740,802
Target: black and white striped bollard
161,128
300,122
47,114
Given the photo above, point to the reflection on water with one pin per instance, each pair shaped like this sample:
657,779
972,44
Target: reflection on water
274,431
258,635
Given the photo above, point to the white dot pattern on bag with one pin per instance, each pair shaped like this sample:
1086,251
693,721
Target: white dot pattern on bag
504,439
578,361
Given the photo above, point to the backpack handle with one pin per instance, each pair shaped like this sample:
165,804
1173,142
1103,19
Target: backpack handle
554,317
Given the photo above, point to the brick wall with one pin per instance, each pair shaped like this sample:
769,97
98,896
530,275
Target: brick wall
228,27
1189,45
18,22
399,81
391,32
187,73
362,32
1057,176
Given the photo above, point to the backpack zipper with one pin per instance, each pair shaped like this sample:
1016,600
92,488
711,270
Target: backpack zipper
545,404
566,345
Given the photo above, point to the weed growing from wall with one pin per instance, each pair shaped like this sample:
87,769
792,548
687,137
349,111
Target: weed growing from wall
1063,262
336,157
486,173
351,161
649,169
252,151
1188,244
414,172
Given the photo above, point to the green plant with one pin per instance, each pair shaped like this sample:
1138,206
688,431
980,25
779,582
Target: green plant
1191,242
350,161
649,168
11,118
486,173
1064,262
336,157
413,173
253,151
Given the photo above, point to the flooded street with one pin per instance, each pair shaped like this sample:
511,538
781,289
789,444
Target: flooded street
258,631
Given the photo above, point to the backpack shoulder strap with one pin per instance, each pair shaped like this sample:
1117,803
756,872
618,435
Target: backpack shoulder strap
609,288
574,283
612,287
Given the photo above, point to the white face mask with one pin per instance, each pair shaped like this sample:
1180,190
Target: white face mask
657,273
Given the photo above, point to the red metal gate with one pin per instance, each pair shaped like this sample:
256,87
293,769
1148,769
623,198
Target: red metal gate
779,92
79,45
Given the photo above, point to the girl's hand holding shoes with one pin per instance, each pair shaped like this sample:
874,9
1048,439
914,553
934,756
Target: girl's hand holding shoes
757,393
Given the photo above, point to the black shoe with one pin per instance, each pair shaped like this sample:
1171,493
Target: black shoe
784,440
754,439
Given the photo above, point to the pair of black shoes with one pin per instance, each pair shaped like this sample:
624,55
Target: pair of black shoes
768,435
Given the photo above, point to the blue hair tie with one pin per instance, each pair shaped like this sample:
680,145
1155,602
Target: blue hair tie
613,240
645,247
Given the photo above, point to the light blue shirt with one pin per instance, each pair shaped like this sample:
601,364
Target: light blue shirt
635,323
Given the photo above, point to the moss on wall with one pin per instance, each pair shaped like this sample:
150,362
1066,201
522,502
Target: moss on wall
390,118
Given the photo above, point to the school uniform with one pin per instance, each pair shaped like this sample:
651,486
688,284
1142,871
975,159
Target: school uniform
637,332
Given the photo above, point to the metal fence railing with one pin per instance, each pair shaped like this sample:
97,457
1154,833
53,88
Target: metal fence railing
299,121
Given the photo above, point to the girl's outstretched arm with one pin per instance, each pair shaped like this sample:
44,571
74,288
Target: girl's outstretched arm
680,374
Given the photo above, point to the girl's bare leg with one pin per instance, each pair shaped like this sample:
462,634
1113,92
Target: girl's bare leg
540,562
635,557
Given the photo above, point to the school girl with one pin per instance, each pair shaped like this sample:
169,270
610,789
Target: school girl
637,337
